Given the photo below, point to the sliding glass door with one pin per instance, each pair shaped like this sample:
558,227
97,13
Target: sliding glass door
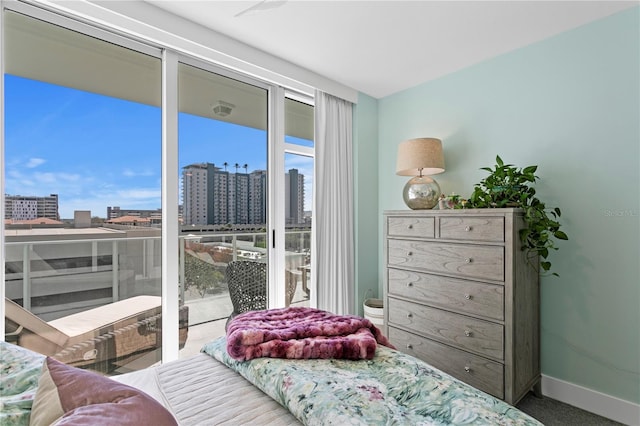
133,178
82,193
222,143
298,151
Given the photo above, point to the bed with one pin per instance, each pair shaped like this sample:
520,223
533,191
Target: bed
200,390
213,388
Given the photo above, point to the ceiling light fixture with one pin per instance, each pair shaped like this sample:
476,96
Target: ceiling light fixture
222,108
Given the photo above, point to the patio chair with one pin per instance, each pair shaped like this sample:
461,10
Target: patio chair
247,281
102,338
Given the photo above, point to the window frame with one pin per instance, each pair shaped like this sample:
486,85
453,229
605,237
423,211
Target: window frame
170,58
307,151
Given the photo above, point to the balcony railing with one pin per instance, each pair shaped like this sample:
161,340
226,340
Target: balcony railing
54,278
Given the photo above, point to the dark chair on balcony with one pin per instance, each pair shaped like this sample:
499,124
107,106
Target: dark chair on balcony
247,283
101,338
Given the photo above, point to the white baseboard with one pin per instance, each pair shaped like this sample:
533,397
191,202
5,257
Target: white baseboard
604,405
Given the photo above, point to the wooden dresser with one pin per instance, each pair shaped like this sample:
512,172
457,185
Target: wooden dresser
461,295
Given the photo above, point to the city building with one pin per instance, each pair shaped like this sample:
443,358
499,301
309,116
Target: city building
294,197
75,268
194,193
258,197
20,207
130,221
212,196
155,216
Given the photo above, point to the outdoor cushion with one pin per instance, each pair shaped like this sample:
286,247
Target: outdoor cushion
116,332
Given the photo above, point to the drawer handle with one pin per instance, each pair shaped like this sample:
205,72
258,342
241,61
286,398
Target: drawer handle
410,226
468,228
409,346
468,260
467,369
468,296
410,253
409,315
409,284
468,333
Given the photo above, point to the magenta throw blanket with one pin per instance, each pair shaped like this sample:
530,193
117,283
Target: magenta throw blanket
302,333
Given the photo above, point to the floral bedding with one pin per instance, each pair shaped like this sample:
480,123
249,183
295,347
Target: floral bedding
391,389
20,370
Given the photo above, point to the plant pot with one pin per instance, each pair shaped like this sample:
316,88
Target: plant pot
374,311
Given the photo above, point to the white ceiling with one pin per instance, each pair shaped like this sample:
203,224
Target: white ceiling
382,47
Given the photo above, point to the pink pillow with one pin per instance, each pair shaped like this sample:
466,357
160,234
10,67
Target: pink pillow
70,396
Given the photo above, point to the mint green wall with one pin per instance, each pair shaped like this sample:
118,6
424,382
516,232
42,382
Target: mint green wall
571,105
365,157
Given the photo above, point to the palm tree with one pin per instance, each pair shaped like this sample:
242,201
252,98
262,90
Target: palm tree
246,168
225,164
237,166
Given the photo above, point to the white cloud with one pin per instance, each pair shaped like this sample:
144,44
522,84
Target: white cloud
132,173
139,194
35,162
97,202
57,178
15,174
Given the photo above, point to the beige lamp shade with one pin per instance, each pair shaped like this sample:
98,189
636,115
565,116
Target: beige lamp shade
421,156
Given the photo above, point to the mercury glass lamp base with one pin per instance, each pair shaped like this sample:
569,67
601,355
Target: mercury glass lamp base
421,192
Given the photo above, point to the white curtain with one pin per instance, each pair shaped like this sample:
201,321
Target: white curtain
333,249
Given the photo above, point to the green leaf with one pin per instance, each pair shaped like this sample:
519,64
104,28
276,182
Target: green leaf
508,185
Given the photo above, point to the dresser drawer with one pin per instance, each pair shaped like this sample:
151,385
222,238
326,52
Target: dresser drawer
479,372
453,294
411,226
482,337
472,228
474,261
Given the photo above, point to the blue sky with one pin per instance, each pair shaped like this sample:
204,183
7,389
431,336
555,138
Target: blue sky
95,151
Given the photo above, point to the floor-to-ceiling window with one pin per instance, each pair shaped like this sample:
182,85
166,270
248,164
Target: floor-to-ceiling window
228,213
222,145
299,171
82,170
83,189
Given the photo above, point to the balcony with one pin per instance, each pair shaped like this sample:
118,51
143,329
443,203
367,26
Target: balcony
56,275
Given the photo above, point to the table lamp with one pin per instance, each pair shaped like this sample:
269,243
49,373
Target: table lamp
420,158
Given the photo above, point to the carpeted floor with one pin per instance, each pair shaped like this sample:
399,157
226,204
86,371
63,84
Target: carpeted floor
556,413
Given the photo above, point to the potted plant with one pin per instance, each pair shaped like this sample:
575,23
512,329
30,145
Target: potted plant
511,186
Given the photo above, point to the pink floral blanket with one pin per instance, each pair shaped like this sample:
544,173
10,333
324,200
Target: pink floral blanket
302,333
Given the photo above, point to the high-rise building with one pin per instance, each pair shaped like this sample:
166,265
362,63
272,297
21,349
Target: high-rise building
294,197
258,197
19,207
194,193
212,196
216,200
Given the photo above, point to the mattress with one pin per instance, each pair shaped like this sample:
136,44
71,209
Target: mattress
199,390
